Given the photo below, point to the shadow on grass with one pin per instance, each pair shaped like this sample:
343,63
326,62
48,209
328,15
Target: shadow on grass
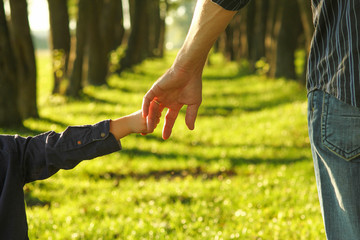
21,131
90,98
151,137
124,89
169,174
32,201
235,161
241,72
52,121
210,111
226,107
197,172
140,88
25,131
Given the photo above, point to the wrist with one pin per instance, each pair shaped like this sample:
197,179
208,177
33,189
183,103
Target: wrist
208,22
120,127
190,63
128,129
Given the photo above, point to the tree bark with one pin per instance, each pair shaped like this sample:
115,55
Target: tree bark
306,19
307,24
98,66
25,59
9,114
76,78
250,26
105,35
234,42
137,49
112,24
288,41
164,6
257,47
273,27
229,44
156,24
60,40
243,29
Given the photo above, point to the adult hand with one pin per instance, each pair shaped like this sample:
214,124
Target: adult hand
176,88
181,84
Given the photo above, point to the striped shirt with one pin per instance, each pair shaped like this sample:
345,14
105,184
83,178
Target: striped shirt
334,63
232,5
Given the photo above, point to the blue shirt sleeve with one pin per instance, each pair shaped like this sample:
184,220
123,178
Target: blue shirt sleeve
43,155
232,5
23,160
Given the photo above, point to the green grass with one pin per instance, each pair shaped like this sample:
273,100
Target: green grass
245,172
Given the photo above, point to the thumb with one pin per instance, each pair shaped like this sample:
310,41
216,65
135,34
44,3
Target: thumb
191,113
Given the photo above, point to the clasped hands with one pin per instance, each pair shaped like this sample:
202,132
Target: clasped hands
176,88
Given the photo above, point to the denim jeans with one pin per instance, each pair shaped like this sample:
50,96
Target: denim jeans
334,130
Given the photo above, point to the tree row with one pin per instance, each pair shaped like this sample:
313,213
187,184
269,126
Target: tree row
268,32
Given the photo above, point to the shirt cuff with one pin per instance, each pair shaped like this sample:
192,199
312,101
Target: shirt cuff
231,5
101,132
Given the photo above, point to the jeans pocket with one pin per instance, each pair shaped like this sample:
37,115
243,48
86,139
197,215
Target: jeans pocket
340,128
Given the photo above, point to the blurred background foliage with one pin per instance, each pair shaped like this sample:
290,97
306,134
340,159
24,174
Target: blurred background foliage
91,40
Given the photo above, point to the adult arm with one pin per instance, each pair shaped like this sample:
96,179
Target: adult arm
182,84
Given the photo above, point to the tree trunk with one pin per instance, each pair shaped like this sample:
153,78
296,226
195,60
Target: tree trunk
162,28
105,35
60,40
257,48
155,28
9,114
153,25
76,77
98,64
234,42
288,41
229,44
306,19
272,32
25,58
137,49
250,26
113,24
243,38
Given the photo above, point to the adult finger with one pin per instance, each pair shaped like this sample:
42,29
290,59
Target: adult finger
149,96
191,113
154,115
170,118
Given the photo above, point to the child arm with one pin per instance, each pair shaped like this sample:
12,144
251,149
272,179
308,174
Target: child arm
42,156
133,123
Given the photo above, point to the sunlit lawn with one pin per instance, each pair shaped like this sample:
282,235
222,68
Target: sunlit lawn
245,172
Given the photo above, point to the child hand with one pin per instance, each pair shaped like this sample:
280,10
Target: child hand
133,123
136,122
